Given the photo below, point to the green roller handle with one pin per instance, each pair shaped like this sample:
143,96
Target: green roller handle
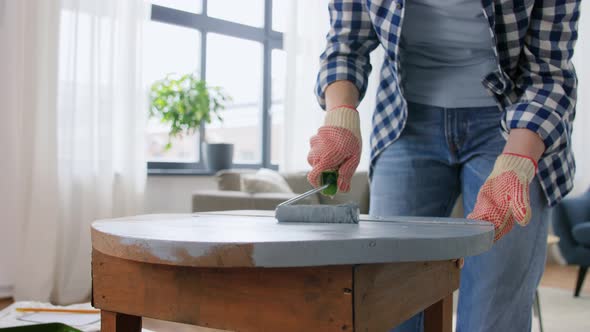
330,177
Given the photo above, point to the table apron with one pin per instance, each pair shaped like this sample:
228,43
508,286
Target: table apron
372,297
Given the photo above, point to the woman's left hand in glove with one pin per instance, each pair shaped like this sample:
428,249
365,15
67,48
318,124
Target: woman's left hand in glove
504,197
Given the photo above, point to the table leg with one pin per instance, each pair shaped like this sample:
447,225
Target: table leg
439,316
386,295
117,322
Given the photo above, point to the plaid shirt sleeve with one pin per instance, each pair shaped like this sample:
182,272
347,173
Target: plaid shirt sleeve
547,77
349,42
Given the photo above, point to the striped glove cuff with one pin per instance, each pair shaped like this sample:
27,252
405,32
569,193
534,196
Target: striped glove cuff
344,117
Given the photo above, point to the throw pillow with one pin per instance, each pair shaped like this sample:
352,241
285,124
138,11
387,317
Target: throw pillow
265,181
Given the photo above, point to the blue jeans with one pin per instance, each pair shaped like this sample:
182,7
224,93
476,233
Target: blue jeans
440,154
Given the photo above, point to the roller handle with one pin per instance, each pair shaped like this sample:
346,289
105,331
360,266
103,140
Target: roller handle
331,178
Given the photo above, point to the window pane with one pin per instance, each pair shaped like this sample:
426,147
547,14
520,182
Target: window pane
169,49
279,14
250,12
183,149
241,127
236,66
278,81
192,6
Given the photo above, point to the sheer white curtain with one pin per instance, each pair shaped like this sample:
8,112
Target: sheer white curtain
581,135
28,164
304,42
75,131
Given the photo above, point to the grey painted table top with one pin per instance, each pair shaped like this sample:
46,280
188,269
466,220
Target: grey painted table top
255,239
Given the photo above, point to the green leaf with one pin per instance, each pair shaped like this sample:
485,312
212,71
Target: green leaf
184,102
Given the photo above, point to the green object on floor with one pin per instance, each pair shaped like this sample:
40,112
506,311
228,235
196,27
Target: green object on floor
52,327
330,177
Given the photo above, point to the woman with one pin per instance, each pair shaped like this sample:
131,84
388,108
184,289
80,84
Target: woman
438,131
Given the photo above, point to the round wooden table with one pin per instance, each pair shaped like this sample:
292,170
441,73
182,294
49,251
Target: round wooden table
243,271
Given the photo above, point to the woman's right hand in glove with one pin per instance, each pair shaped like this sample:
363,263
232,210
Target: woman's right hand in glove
336,147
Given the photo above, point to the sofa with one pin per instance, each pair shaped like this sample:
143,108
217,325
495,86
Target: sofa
230,195
571,222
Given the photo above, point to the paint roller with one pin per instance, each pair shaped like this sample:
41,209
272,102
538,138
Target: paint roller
342,213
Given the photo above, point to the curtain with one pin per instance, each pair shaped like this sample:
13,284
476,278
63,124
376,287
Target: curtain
74,131
304,42
28,30
581,134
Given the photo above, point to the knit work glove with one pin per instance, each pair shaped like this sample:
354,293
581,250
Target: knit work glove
504,197
336,146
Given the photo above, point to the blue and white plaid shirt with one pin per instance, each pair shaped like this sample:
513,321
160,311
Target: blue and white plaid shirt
535,82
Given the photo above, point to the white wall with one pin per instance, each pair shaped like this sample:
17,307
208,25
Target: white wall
173,194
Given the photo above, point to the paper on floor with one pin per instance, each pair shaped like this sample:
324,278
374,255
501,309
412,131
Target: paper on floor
72,319
9,317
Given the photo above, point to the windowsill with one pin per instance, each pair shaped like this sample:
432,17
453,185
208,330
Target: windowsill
154,170
186,171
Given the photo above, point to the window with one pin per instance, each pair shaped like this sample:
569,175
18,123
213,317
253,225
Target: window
234,44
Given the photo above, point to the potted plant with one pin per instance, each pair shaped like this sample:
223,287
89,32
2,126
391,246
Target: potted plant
185,102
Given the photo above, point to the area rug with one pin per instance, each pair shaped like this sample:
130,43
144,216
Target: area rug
561,312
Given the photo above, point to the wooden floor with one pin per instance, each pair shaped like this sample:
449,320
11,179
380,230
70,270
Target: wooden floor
555,276
558,276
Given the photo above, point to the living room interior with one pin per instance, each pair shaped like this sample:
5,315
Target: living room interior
167,108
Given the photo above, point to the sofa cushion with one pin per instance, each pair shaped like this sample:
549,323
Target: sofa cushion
269,201
265,181
221,200
297,181
230,179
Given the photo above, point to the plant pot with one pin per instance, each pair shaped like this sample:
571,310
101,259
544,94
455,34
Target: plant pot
218,156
